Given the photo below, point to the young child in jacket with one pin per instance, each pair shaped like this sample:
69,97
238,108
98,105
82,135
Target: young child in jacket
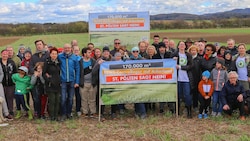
22,88
38,82
206,88
219,78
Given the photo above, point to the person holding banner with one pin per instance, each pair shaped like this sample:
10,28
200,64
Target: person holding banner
140,109
163,54
185,77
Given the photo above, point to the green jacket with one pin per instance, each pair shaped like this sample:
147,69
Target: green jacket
23,85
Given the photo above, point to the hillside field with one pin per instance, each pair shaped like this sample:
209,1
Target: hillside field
241,35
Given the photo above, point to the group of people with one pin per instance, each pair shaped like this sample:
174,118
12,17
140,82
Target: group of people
53,77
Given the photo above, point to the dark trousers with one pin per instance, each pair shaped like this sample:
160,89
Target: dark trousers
9,96
78,99
54,103
36,96
195,94
21,100
204,103
235,105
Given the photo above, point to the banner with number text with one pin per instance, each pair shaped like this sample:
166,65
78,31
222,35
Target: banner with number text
137,81
119,21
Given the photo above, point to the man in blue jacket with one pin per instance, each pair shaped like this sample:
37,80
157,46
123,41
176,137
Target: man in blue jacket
232,95
70,74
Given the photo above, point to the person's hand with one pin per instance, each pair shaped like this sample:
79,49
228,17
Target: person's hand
178,67
47,75
175,58
226,107
76,85
36,73
248,79
240,98
100,61
207,97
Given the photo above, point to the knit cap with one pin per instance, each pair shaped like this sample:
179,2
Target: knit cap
221,61
206,74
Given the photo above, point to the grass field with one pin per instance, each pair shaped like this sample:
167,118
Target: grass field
241,35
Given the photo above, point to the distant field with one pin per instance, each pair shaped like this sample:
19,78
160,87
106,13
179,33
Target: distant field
213,30
211,35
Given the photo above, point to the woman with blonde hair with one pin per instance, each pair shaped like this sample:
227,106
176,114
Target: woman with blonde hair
151,51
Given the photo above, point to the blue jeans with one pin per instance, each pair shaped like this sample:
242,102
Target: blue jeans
184,93
140,109
217,105
67,98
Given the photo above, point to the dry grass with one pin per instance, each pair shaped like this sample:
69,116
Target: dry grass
126,127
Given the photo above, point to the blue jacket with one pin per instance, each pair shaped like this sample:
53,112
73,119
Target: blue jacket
70,70
230,93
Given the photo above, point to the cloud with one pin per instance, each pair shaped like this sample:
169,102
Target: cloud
43,11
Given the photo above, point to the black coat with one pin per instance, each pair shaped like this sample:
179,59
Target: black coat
166,55
53,82
208,64
36,58
196,71
187,68
8,70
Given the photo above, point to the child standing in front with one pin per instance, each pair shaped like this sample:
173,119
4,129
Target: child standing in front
22,88
219,78
206,88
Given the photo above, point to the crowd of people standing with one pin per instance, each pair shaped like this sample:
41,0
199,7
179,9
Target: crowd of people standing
206,73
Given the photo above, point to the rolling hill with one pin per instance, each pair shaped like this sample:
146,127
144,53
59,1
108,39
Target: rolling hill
236,13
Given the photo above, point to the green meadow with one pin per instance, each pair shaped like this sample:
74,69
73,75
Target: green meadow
58,40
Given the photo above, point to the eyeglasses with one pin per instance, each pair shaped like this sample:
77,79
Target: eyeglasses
117,43
135,51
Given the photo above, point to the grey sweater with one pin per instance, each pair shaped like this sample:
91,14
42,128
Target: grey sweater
219,79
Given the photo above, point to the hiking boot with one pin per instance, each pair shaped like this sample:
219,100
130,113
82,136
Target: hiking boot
94,115
18,114
205,116
30,116
214,114
218,114
161,111
9,117
79,114
242,118
143,116
200,116
86,115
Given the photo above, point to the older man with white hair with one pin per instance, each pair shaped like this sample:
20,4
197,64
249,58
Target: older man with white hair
232,95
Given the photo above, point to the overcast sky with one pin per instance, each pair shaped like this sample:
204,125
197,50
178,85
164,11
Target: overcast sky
62,11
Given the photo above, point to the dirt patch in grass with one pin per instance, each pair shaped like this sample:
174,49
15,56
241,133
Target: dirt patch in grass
210,37
8,40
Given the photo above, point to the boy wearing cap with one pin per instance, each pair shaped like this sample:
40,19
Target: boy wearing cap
22,88
206,88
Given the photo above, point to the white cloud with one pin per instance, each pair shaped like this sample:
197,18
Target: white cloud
4,10
68,10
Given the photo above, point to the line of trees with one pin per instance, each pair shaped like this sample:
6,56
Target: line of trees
82,27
